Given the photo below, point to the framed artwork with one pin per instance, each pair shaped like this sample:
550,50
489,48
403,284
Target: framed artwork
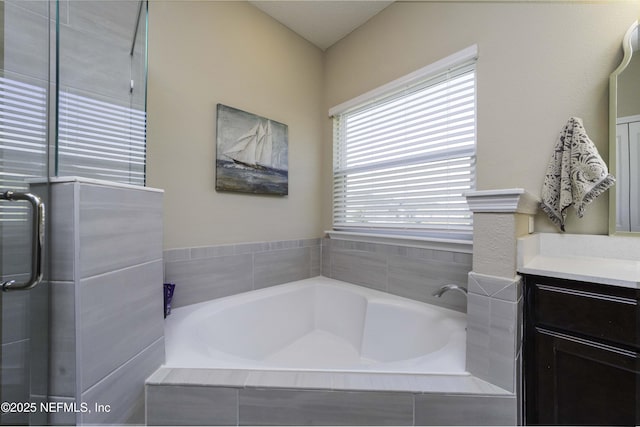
251,153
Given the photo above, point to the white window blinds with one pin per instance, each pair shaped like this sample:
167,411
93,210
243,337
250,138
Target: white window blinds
103,140
23,141
403,161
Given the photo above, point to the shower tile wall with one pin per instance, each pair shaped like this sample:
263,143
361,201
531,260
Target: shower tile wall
23,61
15,368
95,46
95,39
21,315
23,327
17,348
101,126
26,39
410,272
106,278
205,273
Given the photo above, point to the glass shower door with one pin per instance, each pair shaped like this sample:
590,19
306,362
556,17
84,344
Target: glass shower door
25,76
72,103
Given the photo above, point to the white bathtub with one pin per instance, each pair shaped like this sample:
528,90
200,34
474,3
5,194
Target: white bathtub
317,324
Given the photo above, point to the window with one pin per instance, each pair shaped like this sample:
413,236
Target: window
403,159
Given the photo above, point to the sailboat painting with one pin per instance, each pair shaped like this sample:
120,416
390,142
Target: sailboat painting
251,153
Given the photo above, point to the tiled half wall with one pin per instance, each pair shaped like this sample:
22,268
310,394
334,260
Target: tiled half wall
410,272
236,397
204,273
105,278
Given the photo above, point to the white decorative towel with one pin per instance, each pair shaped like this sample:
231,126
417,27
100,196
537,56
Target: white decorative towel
576,174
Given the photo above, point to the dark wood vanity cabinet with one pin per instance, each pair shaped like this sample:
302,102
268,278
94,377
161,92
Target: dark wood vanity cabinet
581,353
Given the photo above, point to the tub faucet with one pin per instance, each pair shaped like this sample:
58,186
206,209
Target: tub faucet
450,287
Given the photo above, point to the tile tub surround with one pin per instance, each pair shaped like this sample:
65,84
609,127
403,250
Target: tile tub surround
107,331
407,271
235,397
493,358
208,272
204,273
494,329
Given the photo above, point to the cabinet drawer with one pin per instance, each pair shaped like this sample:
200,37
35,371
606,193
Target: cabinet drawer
604,312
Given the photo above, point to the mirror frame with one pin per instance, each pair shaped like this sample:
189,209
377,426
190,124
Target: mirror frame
613,118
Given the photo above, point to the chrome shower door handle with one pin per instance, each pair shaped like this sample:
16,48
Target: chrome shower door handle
37,240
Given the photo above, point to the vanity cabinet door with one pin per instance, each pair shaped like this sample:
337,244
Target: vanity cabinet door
580,382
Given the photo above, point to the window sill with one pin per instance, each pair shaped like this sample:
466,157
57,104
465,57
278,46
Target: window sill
451,245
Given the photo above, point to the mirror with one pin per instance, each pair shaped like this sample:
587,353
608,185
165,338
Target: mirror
624,138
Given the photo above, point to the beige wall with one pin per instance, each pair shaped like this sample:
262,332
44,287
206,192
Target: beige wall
202,53
539,64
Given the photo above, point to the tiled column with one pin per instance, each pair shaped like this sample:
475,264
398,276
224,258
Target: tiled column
494,310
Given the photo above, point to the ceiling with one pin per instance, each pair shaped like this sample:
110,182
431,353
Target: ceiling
321,22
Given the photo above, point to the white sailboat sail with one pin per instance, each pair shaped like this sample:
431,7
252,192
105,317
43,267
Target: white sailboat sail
253,148
244,150
265,148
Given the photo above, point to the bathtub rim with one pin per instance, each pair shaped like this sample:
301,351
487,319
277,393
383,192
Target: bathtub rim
466,384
